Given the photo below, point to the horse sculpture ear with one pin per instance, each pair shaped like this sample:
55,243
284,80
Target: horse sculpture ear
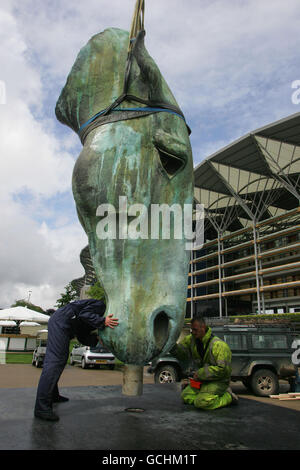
150,74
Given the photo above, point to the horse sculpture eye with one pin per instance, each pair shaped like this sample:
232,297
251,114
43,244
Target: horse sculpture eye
171,163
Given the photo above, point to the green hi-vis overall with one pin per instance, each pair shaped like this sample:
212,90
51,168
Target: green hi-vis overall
214,371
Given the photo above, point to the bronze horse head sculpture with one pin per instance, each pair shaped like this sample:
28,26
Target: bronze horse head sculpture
134,159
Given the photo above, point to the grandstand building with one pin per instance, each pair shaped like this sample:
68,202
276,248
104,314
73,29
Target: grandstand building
250,260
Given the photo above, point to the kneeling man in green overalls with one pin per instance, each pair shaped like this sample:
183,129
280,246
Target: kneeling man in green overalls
209,388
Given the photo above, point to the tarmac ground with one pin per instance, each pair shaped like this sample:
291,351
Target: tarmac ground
96,419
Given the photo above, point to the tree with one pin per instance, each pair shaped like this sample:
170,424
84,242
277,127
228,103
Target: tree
67,296
24,303
96,291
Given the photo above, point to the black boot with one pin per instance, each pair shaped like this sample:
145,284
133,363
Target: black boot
60,399
46,415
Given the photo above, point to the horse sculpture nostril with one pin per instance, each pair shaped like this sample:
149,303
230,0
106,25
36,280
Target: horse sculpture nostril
161,329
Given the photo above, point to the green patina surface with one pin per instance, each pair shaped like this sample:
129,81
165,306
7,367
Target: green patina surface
137,159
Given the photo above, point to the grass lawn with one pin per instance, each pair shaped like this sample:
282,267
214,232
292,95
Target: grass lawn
26,358
18,358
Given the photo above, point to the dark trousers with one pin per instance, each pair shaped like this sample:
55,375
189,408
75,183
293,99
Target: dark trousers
57,353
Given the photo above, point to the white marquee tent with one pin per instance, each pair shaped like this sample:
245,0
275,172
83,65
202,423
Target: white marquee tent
7,323
23,314
26,341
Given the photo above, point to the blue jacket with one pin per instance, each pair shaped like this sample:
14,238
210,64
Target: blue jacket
80,317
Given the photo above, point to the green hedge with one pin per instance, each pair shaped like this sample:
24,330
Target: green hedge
276,317
280,317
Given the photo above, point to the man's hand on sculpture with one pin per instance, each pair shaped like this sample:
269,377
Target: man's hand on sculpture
111,322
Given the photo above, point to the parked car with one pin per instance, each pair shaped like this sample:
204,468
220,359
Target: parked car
261,356
39,353
97,356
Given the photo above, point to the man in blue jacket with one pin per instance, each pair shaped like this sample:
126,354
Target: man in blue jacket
78,319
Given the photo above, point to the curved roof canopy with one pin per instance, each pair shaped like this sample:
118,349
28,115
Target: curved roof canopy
254,178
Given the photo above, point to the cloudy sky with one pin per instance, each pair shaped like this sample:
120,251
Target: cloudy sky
230,64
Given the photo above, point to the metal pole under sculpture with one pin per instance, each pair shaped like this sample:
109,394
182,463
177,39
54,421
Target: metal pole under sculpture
136,163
